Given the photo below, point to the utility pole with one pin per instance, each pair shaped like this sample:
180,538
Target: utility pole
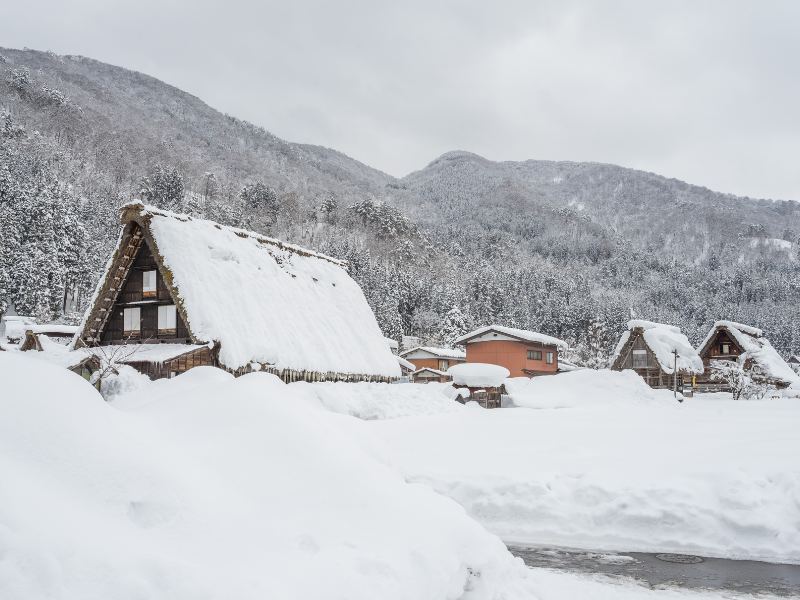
675,377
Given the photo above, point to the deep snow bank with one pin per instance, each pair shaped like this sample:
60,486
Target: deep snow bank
584,387
221,489
381,400
625,468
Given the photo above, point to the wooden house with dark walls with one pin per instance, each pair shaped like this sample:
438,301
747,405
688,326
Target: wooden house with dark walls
747,346
181,292
659,353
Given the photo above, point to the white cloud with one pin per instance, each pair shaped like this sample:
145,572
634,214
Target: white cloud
705,92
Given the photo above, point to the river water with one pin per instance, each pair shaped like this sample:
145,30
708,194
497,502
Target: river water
672,570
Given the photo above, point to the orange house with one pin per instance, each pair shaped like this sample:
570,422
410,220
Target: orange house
523,353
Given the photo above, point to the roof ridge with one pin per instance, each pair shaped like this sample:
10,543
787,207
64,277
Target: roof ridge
128,213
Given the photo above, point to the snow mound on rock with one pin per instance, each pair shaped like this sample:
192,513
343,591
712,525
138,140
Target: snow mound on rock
233,489
476,375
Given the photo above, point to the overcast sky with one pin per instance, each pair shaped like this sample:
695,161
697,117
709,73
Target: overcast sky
705,91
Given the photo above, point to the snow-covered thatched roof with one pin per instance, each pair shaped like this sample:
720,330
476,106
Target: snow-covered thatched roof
754,347
663,340
522,335
262,300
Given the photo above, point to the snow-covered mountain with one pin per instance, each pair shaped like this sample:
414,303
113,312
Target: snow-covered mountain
570,249
650,211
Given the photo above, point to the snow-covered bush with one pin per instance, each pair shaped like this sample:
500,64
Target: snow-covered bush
741,384
120,381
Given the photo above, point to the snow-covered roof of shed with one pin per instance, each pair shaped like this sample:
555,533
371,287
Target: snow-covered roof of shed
520,334
58,354
264,300
663,340
393,345
405,363
431,370
756,347
478,375
55,329
145,353
438,352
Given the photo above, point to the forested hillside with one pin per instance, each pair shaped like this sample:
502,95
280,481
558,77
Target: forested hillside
570,249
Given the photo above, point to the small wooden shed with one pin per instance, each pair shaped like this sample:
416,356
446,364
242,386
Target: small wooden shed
485,382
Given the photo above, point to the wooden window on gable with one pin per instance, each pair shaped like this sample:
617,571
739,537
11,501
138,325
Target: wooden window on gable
149,289
639,359
726,348
443,364
167,319
132,321
534,355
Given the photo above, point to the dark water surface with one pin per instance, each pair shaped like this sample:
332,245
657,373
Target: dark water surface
672,570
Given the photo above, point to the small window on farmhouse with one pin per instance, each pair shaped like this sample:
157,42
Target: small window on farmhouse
166,318
534,355
131,321
549,358
443,364
726,348
148,284
640,359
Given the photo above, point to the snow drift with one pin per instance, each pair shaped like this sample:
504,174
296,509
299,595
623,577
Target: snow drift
618,466
584,387
381,400
224,489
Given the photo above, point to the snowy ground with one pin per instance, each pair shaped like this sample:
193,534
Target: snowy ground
601,461
210,487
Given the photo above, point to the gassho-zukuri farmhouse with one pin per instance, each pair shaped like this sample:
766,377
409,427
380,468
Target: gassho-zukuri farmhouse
181,292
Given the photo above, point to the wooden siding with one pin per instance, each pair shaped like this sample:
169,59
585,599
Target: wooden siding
131,295
713,351
176,366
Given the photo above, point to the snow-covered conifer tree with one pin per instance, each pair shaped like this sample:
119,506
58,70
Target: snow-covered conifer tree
455,325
